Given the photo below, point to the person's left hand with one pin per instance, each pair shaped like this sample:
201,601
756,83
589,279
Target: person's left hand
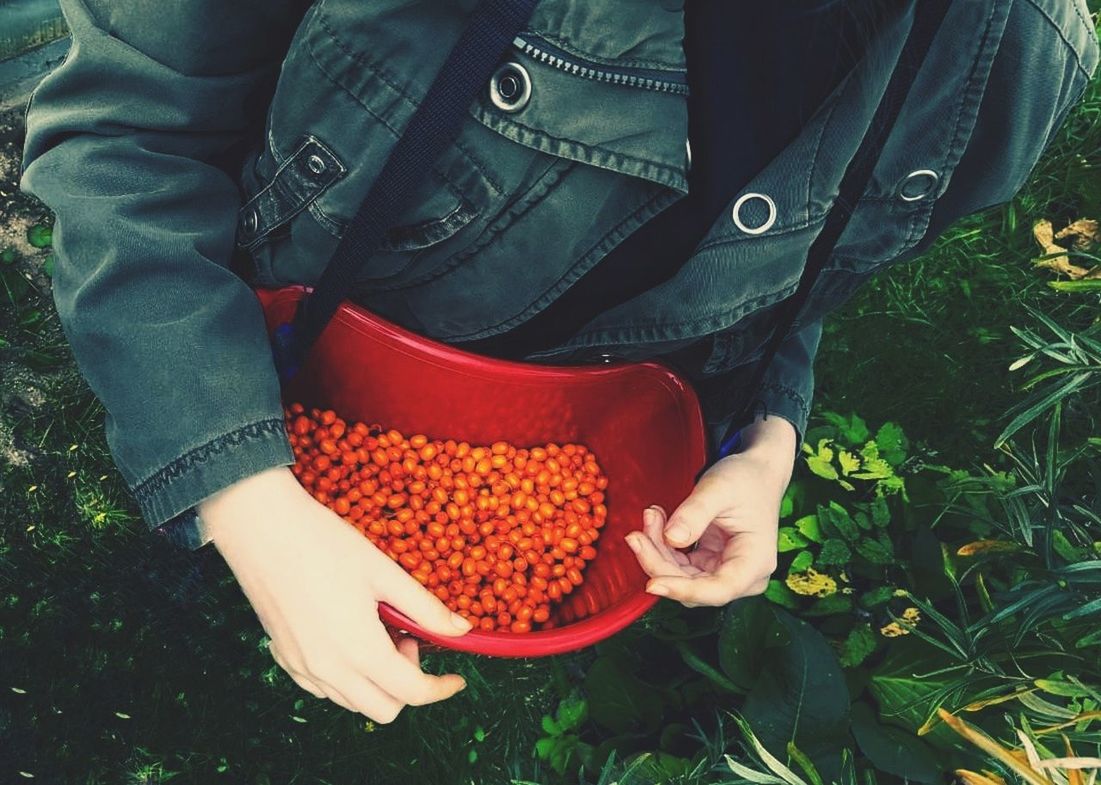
732,516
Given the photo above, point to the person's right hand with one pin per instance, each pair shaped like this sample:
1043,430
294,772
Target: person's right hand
315,584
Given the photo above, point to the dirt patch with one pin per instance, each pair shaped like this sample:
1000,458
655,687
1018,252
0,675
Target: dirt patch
26,290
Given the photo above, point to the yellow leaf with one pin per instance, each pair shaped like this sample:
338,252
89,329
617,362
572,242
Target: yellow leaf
1083,717
973,778
994,749
987,546
982,704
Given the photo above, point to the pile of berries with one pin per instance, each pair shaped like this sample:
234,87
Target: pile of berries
499,533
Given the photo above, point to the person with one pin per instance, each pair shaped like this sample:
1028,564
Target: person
640,179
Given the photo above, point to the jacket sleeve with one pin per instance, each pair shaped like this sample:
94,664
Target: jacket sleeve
130,141
787,390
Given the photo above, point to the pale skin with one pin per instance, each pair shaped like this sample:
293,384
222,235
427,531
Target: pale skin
315,582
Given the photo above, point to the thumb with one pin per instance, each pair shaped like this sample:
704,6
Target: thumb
399,589
694,515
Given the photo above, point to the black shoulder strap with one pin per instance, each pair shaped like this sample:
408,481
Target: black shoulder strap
928,15
490,30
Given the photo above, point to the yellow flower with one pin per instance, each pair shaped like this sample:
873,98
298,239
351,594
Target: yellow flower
811,583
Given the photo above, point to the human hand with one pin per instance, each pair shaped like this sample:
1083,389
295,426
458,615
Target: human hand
315,584
732,516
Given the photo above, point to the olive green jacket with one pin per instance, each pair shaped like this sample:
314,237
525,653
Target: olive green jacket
179,137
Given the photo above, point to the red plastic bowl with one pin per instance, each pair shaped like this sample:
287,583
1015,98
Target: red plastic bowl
641,420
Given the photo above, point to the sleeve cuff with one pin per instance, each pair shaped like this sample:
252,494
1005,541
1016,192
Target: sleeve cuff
166,498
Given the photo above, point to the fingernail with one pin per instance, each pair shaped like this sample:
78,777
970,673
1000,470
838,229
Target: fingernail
658,589
460,623
677,533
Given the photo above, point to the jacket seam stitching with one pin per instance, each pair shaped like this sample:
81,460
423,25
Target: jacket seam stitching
1062,35
148,487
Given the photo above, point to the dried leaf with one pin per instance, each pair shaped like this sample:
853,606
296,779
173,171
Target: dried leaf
1058,259
1084,234
974,778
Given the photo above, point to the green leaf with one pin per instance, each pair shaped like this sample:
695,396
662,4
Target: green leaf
829,605
876,597
907,686
704,668
619,700
790,540
743,638
1083,285
805,763
1065,548
834,551
841,521
572,712
550,727
875,552
892,443
40,236
852,430
801,562
544,747
858,644
800,696
848,462
808,527
892,749
881,515
822,467
779,593
787,504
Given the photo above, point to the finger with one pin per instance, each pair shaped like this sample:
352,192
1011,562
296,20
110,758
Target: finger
748,559
302,681
651,558
367,698
410,649
695,514
653,524
398,588
400,675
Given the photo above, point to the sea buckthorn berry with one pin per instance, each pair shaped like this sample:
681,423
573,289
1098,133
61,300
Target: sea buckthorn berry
498,533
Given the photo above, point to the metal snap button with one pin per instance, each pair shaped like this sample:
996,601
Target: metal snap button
736,213
510,87
606,358
917,185
250,222
316,164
